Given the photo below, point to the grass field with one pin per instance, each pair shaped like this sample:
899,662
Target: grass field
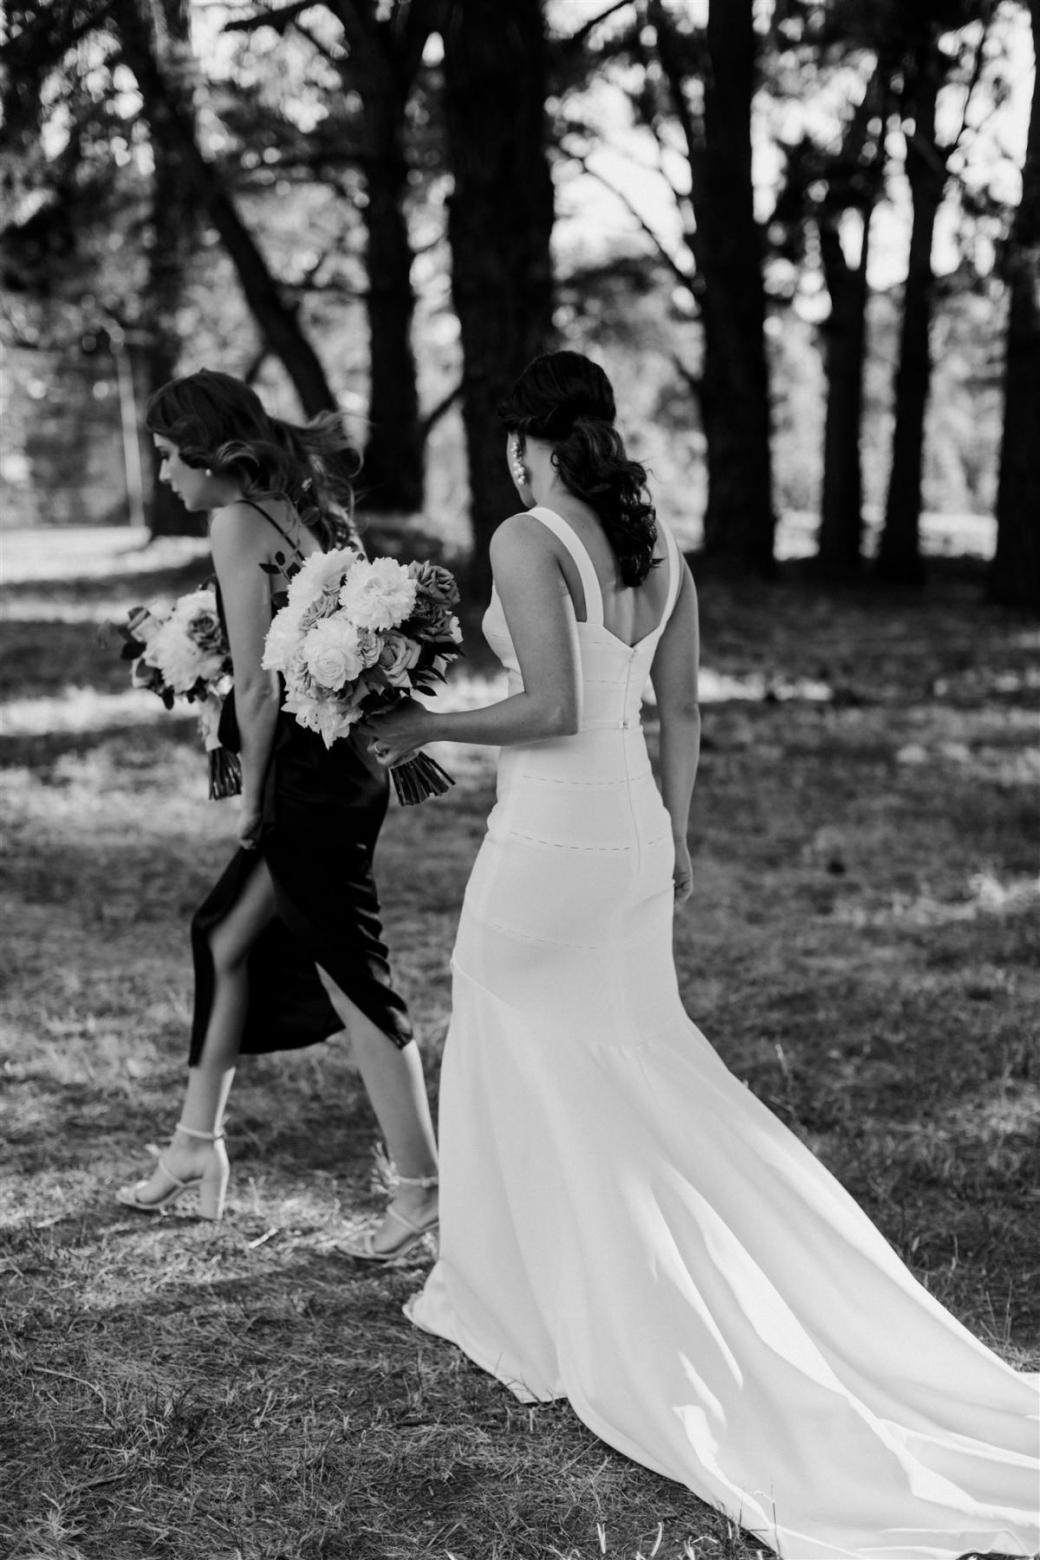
861,947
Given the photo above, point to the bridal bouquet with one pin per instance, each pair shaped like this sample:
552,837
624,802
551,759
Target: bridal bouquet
355,636
180,651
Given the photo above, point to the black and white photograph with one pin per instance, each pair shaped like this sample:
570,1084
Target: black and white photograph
520,757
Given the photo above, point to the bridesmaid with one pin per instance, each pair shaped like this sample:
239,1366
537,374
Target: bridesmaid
288,946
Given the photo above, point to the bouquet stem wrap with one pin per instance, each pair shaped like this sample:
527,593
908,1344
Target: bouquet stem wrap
419,777
225,770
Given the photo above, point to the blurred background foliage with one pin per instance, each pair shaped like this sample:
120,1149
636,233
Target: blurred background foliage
803,236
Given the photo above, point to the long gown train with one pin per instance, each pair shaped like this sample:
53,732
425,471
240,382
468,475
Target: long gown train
625,1225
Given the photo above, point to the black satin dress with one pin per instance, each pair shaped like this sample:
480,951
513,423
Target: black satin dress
322,812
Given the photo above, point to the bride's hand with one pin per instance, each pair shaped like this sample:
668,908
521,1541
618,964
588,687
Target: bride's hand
395,735
682,875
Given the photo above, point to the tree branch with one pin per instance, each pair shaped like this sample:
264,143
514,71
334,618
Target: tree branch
39,24
574,40
976,75
280,18
682,275
437,411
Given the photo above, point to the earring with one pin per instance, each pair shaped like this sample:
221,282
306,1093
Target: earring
209,472
517,467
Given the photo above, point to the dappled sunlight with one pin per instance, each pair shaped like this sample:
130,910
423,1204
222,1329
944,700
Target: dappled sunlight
1006,766
983,895
85,709
63,556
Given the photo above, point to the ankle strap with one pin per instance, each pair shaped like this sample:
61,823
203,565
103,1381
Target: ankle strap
386,1177
207,1137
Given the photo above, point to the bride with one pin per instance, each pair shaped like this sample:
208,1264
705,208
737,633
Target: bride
622,1222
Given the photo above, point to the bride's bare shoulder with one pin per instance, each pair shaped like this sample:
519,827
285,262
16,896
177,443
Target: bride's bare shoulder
513,539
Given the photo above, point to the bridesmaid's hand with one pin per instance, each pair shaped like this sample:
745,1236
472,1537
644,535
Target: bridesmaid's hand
250,819
682,875
397,734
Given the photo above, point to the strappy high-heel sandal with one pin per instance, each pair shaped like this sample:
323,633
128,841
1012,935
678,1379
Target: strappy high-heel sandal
212,1182
413,1234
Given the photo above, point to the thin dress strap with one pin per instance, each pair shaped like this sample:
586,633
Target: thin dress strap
582,562
270,518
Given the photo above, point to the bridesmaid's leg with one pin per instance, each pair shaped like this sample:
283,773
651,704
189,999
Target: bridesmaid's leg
393,1079
209,1081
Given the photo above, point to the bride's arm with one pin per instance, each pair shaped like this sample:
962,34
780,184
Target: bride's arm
534,597
674,678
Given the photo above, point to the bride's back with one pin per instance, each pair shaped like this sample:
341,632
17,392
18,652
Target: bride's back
630,612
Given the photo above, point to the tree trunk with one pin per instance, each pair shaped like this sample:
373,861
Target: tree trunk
899,554
392,478
840,540
1014,575
174,229
739,525
171,120
499,226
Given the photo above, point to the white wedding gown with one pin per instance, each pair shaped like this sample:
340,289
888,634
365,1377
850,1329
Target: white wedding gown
625,1225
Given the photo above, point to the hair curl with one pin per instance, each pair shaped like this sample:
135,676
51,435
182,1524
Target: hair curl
567,399
219,422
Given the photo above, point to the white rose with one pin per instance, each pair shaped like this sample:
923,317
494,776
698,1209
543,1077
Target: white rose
332,653
378,595
397,657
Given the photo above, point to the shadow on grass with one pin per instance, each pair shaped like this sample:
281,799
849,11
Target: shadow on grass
287,1408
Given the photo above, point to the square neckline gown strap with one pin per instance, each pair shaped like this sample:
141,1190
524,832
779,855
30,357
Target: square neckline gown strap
623,1224
322,812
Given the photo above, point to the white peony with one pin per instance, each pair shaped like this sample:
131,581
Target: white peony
282,639
332,652
378,595
321,572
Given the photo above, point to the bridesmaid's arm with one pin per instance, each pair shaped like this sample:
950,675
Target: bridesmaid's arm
238,551
534,597
674,678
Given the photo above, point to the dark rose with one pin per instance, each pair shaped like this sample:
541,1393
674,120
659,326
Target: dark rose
435,585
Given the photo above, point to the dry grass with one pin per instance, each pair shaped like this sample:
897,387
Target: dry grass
861,947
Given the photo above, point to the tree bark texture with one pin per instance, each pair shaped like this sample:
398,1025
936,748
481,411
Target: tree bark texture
840,538
169,119
499,227
1015,571
173,233
899,552
392,477
740,524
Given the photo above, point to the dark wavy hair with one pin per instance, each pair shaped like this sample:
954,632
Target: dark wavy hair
567,399
219,422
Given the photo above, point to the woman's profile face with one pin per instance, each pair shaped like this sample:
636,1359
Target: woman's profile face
192,486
